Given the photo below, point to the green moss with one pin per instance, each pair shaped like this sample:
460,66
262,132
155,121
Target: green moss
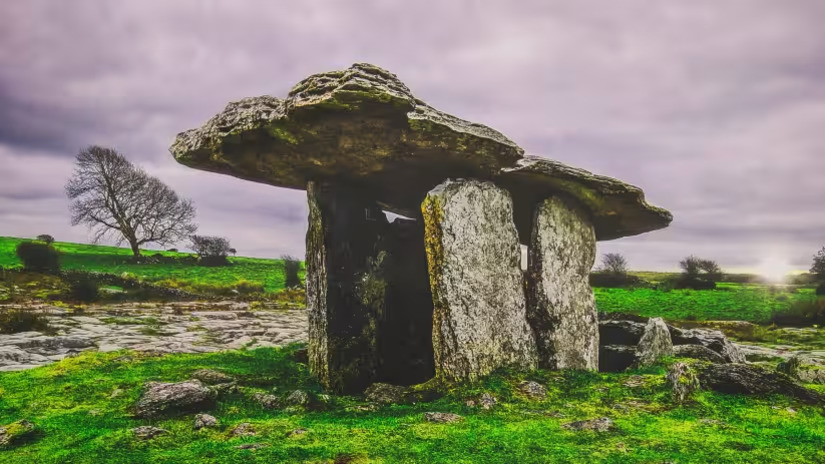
281,133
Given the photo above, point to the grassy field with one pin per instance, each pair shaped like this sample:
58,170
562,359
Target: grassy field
746,302
114,260
79,420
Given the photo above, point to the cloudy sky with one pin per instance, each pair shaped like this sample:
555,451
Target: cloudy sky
716,108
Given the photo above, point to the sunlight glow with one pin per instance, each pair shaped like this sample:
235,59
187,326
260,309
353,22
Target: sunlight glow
775,269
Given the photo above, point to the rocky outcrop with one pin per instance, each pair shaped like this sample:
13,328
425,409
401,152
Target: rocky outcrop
804,368
479,320
750,379
711,339
560,304
204,421
655,342
346,286
159,399
14,433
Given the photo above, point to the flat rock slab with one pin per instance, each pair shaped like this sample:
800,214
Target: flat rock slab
361,124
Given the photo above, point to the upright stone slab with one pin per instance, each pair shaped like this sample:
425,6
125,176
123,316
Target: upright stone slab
561,307
346,286
479,319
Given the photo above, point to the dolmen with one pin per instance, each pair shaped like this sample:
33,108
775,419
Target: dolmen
438,292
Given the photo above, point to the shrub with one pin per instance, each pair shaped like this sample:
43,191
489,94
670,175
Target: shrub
84,288
820,290
802,313
614,263
818,266
698,274
38,257
211,251
615,280
292,266
14,320
46,238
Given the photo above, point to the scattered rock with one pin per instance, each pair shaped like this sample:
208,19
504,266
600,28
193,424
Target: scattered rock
297,398
754,380
634,381
803,368
384,393
487,401
683,381
14,432
442,417
243,429
162,398
212,377
655,342
204,421
252,446
698,352
533,390
602,424
147,432
266,400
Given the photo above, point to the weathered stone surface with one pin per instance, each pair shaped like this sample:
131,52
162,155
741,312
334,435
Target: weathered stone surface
162,398
442,417
698,352
211,376
266,400
297,398
346,286
244,429
601,424
533,390
479,320
712,339
204,421
804,368
616,209
14,432
561,308
616,358
361,125
754,380
620,332
683,381
147,432
384,393
655,342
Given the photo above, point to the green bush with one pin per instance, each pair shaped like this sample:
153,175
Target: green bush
615,280
820,290
84,288
291,267
13,320
802,313
46,238
38,257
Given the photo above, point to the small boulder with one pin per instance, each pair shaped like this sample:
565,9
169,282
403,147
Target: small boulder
162,398
244,429
698,352
655,342
297,398
533,390
602,424
14,432
442,417
487,401
205,421
147,432
803,368
683,381
212,377
712,339
384,393
266,400
252,446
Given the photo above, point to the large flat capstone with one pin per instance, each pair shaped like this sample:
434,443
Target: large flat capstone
479,320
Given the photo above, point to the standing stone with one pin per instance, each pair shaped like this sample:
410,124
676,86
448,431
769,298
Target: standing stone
479,319
345,286
683,381
561,307
655,342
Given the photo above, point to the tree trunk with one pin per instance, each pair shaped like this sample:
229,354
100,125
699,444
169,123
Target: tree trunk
135,250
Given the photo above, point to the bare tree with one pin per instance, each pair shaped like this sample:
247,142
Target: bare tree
818,266
114,197
614,263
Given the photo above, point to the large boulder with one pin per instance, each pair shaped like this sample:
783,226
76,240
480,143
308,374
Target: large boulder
346,286
620,332
159,399
560,304
711,339
479,320
655,343
754,380
698,352
360,125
